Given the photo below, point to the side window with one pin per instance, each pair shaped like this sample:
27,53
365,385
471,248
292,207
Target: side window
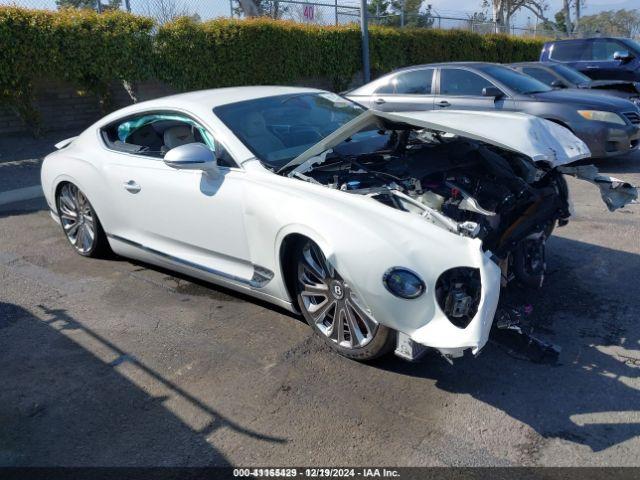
604,49
540,74
571,51
415,82
154,134
454,81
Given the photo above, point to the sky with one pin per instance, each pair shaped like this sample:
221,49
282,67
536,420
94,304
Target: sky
455,8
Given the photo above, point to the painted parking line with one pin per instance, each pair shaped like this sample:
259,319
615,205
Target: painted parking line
21,194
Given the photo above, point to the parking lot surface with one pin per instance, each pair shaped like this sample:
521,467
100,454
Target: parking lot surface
115,363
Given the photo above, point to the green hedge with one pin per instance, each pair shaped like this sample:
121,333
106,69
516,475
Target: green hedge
79,46
92,50
261,51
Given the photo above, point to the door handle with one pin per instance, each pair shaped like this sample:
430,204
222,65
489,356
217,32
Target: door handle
132,186
444,104
379,101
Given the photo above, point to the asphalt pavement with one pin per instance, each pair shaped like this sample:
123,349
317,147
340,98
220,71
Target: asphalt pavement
112,363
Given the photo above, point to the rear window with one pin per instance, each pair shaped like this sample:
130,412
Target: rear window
570,51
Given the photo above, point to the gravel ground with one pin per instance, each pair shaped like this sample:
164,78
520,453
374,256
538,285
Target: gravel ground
109,362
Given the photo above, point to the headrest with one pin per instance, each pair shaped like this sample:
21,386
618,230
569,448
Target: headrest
178,135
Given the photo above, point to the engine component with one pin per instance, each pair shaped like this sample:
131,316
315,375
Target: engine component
458,292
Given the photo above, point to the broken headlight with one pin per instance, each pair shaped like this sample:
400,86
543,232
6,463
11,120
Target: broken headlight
458,293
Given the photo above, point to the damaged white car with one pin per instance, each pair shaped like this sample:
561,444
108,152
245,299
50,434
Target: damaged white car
385,230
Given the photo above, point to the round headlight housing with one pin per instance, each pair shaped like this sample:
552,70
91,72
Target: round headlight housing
403,283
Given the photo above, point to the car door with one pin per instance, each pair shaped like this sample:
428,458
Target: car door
603,65
461,89
406,91
186,216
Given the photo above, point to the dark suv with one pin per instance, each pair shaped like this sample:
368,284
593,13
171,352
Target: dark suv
598,58
608,125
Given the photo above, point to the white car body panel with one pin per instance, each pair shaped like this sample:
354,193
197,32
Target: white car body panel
537,138
229,229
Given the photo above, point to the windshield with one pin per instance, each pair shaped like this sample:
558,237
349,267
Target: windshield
574,76
633,45
516,81
277,129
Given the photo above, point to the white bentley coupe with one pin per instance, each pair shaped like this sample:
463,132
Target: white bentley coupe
382,229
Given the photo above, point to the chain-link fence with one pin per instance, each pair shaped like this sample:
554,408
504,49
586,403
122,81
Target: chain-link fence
322,12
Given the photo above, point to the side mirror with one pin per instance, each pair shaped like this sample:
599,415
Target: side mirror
558,84
492,92
622,55
192,156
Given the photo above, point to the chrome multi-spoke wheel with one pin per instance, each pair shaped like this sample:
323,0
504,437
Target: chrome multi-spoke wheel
79,220
330,305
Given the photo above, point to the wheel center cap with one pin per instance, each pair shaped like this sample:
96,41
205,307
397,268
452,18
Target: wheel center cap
337,290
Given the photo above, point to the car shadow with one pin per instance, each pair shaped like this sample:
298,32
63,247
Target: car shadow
24,207
69,398
588,307
629,163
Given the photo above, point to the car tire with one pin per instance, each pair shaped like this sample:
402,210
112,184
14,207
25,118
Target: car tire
334,311
80,223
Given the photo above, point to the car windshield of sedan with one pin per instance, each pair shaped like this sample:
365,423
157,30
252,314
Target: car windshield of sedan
574,76
277,129
633,44
516,81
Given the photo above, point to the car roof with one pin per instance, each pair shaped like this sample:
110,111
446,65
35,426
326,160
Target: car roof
523,64
586,38
202,102
445,64
216,97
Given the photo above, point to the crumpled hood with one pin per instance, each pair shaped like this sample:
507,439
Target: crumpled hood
538,139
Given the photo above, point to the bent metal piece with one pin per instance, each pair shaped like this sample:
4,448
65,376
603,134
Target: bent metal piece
614,192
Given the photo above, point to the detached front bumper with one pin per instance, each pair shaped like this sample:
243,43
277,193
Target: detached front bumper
606,141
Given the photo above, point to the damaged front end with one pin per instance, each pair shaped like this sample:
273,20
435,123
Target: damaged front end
498,178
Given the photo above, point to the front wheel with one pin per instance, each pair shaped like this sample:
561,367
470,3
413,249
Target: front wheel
334,311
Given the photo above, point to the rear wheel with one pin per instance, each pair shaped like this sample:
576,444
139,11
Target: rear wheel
334,311
80,222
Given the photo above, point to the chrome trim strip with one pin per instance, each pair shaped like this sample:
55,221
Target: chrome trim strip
261,276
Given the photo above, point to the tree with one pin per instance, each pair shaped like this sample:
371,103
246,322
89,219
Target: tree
624,23
395,13
165,11
92,4
504,10
250,8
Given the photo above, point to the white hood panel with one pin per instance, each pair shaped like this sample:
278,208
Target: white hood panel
538,139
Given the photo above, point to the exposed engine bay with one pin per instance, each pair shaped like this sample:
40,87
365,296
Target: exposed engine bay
466,186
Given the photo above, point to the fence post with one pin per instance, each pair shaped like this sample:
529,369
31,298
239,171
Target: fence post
231,8
336,10
127,6
364,31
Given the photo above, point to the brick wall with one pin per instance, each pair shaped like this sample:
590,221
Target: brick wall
64,107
